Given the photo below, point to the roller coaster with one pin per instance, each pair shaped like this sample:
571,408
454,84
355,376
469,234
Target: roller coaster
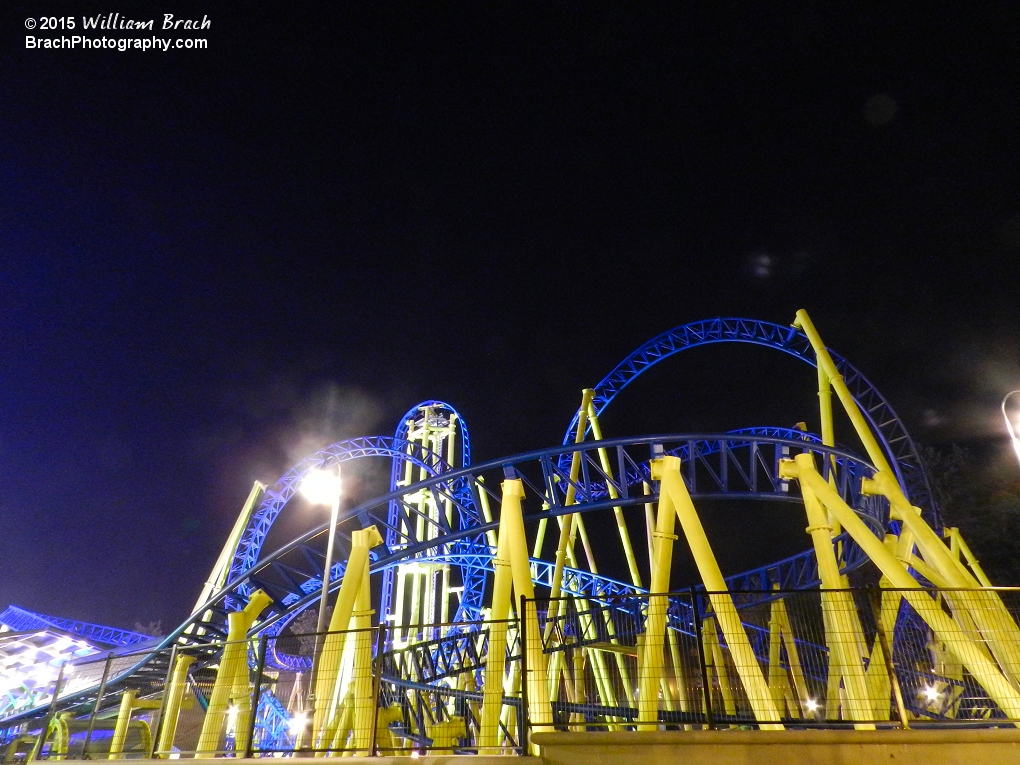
470,611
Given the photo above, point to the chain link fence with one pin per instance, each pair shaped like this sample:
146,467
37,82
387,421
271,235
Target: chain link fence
855,658
863,658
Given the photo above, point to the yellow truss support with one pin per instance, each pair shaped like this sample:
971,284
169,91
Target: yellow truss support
672,485
354,599
567,528
175,695
513,573
651,664
621,522
842,628
780,636
952,634
958,545
715,659
232,672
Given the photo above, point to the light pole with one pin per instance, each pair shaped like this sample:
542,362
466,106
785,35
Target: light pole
322,487
1011,426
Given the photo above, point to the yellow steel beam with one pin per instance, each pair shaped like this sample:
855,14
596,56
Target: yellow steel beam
744,659
621,522
232,663
327,679
123,720
175,695
842,632
566,531
957,641
651,665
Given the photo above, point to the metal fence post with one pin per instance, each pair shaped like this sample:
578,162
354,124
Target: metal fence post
380,644
260,666
37,749
95,709
706,688
522,637
890,666
162,704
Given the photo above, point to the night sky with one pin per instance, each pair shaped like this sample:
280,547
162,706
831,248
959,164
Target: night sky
213,262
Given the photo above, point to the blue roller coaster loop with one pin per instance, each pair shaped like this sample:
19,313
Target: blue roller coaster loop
474,581
884,422
279,494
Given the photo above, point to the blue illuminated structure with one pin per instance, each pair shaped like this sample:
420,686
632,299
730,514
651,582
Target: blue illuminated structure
22,620
739,465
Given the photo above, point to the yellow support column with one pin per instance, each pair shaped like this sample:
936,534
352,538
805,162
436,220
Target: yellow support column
362,682
127,702
328,678
792,654
233,661
175,695
567,529
986,608
651,654
744,659
952,634
621,522
841,629
489,738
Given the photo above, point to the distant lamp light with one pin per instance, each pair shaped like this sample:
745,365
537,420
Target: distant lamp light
1012,422
321,487
297,724
232,713
931,693
812,705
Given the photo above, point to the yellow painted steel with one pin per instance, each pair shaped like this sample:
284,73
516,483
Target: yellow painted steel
621,522
672,484
566,530
716,660
651,664
842,630
795,694
330,683
233,667
987,610
828,366
513,574
959,543
945,628
218,576
995,623
123,719
828,428
172,711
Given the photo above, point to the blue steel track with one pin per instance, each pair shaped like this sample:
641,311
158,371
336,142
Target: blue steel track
738,465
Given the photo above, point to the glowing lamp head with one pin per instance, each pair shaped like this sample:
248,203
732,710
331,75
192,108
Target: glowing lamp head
321,487
297,724
931,693
812,705
1011,414
232,712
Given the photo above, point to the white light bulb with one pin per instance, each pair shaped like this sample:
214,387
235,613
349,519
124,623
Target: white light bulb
321,487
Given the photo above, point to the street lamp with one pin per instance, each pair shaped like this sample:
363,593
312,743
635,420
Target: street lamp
1012,425
322,487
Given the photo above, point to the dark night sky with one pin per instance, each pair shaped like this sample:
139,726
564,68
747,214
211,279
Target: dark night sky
213,262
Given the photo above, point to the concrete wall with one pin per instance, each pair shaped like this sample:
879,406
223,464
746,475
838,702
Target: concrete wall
806,747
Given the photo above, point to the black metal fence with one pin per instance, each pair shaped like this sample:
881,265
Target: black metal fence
837,658
379,691
855,658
